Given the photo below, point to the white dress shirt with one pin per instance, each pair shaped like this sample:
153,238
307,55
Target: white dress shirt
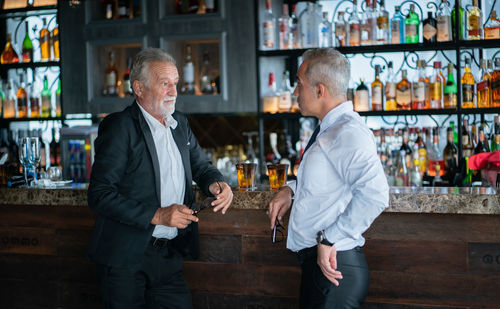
172,177
341,186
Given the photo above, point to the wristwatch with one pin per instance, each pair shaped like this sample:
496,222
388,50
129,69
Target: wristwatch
321,239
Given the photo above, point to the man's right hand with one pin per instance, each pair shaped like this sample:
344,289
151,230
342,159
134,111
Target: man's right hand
280,204
176,215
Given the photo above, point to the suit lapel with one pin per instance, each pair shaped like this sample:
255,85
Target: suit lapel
182,142
148,137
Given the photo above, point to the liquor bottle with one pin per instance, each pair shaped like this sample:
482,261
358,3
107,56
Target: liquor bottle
450,156
483,87
422,152
361,97
126,86
495,142
270,99
415,179
495,84
46,102
429,29
210,6
455,134
309,27
453,21
443,18
474,23
377,91
467,147
108,9
294,29
58,99
401,173
111,77
273,141
55,43
285,103
390,89
354,26
2,99
205,80
268,28
44,42
492,27
9,104
405,142
435,155
340,30
412,24
482,144
398,27
34,99
468,86
403,92
9,55
27,50
122,9
367,20
55,150
188,73
382,24
325,32
436,87
284,28
450,89
418,87
22,99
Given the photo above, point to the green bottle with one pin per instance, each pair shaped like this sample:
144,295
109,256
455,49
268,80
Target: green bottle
27,46
2,98
412,26
450,90
453,23
46,105
58,98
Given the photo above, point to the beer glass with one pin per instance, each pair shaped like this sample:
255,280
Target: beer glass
277,175
246,175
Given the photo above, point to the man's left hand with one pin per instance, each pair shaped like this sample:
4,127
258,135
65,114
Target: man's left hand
327,261
223,198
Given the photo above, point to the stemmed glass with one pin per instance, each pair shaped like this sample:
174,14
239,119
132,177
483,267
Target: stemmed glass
24,155
35,155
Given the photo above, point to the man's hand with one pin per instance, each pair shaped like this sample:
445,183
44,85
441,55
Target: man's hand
327,261
280,204
179,216
223,198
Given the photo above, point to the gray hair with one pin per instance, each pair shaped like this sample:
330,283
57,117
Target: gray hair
140,66
328,67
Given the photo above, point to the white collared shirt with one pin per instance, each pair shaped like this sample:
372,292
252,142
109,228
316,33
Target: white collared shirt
172,177
341,186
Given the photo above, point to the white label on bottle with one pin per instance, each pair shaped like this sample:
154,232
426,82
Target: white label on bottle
411,30
390,90
361,101
210,4
403,96
268,34
111,79
285,103
395,32
188,73
443,28
429,31
377,95
418,92
340,30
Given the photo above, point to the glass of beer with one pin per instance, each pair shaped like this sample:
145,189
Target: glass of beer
246,175
277,175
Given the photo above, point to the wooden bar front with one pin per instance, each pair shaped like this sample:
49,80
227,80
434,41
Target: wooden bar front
419,260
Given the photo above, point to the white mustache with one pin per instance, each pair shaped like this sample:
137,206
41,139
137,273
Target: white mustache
169,99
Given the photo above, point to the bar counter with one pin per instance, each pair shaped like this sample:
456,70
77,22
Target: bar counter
431,247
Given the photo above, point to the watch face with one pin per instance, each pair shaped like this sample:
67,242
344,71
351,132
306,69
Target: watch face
319,237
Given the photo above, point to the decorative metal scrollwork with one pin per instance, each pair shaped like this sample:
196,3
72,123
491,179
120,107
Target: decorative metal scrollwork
434,119
347,9
408,2
463,55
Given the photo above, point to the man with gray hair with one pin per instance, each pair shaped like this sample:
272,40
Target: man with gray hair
340,188
146,159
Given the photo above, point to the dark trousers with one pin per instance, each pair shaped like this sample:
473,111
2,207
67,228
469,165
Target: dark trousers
317,292
156,283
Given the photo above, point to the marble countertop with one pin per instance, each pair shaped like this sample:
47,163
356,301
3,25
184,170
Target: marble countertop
402,199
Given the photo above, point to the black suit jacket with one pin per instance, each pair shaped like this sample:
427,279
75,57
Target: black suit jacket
124,186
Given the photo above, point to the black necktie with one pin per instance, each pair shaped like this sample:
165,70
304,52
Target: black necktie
311,141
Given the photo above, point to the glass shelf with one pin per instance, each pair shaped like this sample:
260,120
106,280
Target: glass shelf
29,65
29,11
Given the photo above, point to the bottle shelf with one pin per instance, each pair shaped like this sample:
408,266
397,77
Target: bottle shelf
29,65
4,121
449,111
388,48
29,11
489,110
281,115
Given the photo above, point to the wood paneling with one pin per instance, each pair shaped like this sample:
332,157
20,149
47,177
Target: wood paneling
484,258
